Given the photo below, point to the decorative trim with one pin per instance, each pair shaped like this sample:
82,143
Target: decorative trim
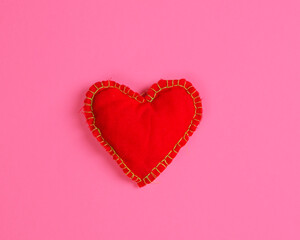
149,97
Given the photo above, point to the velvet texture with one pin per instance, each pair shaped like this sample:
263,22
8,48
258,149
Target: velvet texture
143,133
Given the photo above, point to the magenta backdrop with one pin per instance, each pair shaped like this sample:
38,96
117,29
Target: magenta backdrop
236,179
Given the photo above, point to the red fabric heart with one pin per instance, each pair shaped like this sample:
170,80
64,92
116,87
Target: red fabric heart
143,133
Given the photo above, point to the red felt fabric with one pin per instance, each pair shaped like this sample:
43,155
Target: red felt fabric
143,133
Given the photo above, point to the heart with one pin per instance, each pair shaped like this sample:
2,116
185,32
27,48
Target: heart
143,133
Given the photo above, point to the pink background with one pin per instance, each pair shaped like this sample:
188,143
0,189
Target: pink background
237,178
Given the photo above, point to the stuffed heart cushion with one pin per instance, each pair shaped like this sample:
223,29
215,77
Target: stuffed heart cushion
143,133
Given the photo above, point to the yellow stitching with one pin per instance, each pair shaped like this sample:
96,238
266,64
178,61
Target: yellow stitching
185,135
156,169
106,144
150,99
146,178
193,92
163,162
169,155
